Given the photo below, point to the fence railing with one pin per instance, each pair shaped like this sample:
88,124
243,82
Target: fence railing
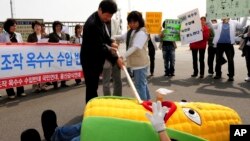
70,25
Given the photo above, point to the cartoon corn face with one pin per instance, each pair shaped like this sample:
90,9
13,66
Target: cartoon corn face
206,120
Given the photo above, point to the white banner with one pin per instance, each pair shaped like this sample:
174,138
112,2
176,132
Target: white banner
217,9
191,30
29,63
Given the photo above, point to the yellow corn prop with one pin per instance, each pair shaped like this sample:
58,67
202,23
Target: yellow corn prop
209,121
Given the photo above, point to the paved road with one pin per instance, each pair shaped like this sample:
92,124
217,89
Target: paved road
22,113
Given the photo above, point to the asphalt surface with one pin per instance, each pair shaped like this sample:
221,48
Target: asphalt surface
25,112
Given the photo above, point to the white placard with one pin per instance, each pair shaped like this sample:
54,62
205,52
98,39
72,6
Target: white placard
29,63
191,29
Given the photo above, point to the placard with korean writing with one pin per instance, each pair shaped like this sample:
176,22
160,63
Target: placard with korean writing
217,9
191,30
27,63
172,30
153,22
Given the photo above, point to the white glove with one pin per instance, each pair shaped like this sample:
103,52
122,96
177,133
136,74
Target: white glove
157,118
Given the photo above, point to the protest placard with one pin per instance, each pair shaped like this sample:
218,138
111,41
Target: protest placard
153,22
30,63
191,30
172,30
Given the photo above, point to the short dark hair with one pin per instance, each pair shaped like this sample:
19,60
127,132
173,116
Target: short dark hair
78,26
164,24
35,23
213,20
135,16
203,18
8,23
55,23
108,6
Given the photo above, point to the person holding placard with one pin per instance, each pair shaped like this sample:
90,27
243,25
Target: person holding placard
35,37
200,47
168,52
77,39
10,36
55,37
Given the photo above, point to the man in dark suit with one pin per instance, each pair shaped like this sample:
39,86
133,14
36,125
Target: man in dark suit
94,48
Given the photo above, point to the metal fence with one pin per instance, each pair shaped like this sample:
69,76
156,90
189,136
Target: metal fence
69,25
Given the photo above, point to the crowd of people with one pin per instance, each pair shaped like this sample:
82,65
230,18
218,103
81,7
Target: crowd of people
219,37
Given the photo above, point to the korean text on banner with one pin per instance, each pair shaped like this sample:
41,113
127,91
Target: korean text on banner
23,64
191,29
172,30
217,9
153,22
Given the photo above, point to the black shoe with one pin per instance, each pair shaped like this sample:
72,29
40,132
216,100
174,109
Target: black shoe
193,75
171,75
48,83
64,86
55,87
230,79
30,135
49,123
78,81
201,76
166,74
217,77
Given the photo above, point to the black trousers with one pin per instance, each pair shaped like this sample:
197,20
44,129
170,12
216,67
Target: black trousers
55,84
201,60
151,53
91,76
210,59
229,51
78,80
11,92
247,56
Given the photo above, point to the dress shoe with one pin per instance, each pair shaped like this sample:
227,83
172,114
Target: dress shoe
230,79
247,79
194,75
12,97
64,86
217,77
